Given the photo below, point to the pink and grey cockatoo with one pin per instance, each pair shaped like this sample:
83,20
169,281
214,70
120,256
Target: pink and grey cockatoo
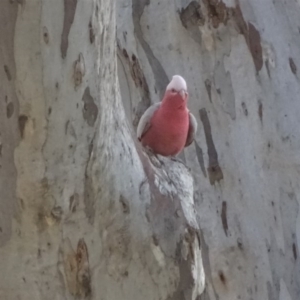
168,126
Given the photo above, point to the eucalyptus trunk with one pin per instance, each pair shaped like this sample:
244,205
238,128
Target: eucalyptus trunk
241,62
84,212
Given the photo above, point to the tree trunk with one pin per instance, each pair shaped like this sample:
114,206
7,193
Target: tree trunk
240,61
84,212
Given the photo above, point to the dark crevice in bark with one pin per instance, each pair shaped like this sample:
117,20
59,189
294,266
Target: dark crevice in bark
161,78
200,158
90,109
252,37
214,170
224,217
69,13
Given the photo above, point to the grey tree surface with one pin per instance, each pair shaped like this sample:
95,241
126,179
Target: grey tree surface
240,60
84,212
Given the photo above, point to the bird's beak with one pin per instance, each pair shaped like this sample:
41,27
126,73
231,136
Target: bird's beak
183,94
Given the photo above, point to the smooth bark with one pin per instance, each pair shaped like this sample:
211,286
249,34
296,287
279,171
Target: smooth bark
85,213
241,62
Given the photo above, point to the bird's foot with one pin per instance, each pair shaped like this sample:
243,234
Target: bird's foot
154,158
150,152
178,160
174,158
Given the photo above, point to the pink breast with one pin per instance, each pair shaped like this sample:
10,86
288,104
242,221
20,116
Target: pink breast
168,132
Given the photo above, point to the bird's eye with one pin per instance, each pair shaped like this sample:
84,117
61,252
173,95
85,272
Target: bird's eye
173,91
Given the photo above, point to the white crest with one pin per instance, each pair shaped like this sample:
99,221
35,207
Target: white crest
178,83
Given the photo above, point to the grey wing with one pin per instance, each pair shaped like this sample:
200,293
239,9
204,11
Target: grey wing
193,125
144,123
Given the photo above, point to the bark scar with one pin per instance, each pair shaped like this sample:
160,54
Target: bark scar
224,216
77,269
69,13
90,109
214,171
161,78
252,37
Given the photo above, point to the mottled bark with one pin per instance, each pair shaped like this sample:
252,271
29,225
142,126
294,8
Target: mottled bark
84,212
241,61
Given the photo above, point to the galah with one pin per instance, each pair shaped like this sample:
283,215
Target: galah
168,126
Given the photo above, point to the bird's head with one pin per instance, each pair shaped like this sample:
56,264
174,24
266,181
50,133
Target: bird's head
177,89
